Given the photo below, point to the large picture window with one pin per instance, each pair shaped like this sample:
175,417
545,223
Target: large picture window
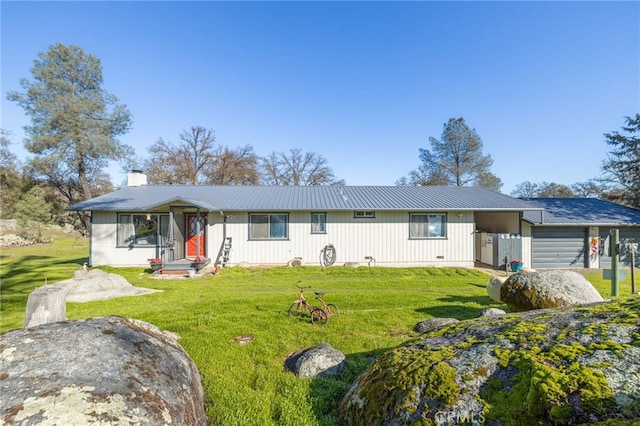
268,226
318,223
427,225
141,229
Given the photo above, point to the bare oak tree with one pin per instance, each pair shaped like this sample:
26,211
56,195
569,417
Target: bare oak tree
186,163
234,167
591,188
296,168
542,190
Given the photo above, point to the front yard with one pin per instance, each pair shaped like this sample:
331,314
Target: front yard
247,384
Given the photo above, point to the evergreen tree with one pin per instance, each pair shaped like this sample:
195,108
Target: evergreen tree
74,121
32,212
455,159
10,179
623,164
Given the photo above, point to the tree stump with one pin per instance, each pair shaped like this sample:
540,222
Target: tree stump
44,305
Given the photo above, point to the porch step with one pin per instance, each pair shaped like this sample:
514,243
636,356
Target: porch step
176,268
174,272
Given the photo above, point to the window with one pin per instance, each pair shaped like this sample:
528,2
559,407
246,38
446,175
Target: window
422,225
141,229
268,226
318,223
364,214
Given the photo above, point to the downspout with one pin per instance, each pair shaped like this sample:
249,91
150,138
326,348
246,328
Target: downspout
520,216
91,238
224,226
588,256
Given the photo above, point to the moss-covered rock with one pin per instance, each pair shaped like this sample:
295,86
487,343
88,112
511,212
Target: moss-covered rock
99,371
549,367
432,324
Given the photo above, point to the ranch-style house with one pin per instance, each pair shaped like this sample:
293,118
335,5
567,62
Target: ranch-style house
327,225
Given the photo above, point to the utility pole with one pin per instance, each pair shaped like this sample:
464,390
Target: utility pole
633,248
615,260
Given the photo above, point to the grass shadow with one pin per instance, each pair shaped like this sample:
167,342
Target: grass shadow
460,307
327,392
28,269
24,273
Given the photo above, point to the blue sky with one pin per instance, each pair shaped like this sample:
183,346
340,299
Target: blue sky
364,84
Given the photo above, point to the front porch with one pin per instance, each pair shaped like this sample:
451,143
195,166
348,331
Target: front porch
184,267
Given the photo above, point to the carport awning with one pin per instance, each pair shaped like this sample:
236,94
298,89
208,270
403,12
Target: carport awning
175,200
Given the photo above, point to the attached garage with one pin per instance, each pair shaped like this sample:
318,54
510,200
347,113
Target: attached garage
559,247
571,232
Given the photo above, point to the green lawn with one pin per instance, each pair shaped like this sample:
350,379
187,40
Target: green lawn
246,384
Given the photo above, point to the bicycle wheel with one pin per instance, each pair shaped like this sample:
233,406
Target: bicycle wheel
318,316
333,310
294,311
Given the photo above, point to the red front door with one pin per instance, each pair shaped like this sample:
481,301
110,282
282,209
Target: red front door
195,240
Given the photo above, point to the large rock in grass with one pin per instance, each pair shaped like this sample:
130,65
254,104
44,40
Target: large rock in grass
48,303
108,371
97,284
321,360
525,291
557,366
493,287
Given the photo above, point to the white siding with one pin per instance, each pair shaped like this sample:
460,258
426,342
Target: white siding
526,244
104,249
385,238
498,222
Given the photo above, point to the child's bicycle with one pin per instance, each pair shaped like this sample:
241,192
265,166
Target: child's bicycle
319,315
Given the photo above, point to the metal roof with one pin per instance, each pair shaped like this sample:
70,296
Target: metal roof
305,198
580,211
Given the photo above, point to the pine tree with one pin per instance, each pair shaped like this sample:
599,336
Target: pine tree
74,121
623,164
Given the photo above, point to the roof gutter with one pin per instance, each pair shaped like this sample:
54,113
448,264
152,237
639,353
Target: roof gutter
581,224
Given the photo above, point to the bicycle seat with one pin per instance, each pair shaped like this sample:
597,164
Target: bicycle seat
319,293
